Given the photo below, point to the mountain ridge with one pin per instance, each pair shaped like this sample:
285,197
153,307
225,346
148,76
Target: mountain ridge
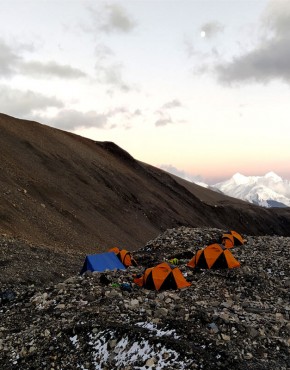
66,191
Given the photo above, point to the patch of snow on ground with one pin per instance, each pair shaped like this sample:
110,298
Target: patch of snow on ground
131,351
158,332
100,346
74,341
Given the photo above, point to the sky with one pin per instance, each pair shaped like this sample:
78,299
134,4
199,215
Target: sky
198,88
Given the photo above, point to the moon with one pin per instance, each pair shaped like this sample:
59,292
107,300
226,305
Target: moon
202,34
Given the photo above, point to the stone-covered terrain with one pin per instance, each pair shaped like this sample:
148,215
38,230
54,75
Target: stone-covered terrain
227,319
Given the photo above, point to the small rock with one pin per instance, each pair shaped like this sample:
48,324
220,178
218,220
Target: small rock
150,362
225,337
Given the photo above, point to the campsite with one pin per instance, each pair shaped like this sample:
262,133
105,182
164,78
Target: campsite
110,263
226,319
144,185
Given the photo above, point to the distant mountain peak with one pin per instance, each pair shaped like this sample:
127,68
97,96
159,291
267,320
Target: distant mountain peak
239,178
272,175
268,191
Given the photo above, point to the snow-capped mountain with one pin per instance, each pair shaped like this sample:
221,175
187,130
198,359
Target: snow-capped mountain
268,191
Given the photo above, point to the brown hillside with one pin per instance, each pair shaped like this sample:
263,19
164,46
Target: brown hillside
62,190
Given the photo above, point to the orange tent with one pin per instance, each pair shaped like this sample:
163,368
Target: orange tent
214,256
231,239
124,256
162,277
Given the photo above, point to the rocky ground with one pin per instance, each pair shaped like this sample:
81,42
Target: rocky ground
228,319
23,263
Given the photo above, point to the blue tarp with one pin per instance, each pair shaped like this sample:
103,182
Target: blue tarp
101,262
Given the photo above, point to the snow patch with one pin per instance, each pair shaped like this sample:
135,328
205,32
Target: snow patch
240,179
128,351
74,341
158,332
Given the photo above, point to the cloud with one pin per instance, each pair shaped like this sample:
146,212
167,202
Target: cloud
103,52
276,18
164,113
110,18
11,63
175,103
205,57
118,110
8,60
163,121
108,70
52,69
164,117
24,103
70,119
180,173
269,59
137,112
211,29
189,48
112,75
118,19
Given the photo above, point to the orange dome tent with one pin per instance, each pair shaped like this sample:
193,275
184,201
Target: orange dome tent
231,239
214,256
162,277
124,256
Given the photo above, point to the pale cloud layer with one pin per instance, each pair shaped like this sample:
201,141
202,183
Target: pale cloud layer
24,103
211,29
8,60
180,173
109,18
71,119
108,70
163,121
175,103
268,62
166,111
112,75
12,63
269,59
50,69
117,19
276,18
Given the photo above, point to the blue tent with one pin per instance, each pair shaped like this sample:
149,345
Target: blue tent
101,262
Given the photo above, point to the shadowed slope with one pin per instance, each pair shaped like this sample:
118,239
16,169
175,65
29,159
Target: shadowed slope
60,189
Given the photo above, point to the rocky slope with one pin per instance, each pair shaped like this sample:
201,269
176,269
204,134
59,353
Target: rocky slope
227,319
67,192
